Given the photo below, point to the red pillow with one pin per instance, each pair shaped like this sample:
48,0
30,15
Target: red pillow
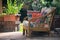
35,15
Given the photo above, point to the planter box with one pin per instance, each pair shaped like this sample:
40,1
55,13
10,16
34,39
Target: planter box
7,23
9,26
9,18
1,18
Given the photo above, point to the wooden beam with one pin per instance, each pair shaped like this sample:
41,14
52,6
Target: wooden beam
0,6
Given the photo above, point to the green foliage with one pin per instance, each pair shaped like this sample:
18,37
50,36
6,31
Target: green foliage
43,2
2,14
56,3
20,6
13,8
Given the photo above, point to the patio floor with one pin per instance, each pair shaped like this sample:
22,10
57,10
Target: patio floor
19,36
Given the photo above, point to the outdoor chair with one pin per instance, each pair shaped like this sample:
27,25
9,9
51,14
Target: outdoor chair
40,26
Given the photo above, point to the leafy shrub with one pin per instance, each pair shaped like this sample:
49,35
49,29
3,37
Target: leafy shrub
13,8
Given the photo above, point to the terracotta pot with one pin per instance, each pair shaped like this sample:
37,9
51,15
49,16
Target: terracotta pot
9,18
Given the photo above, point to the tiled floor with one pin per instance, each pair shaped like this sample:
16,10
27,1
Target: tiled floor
19,36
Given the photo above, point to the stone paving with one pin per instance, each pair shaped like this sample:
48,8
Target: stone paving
19,36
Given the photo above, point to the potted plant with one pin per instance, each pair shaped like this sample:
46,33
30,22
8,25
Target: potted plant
12,10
